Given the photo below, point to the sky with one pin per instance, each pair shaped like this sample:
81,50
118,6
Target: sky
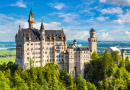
110,18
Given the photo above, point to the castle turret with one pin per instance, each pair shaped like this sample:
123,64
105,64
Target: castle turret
42,41
74,43
17,34
92,41
31,20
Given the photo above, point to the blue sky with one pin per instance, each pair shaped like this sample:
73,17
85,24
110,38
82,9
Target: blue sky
110,18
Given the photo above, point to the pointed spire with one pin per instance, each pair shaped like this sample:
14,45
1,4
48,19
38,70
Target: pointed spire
42,26
31,13
19,28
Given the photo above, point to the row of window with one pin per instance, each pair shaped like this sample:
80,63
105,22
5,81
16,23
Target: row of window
59,47
47,44
59,56
43,52
80,52
51,60
46,48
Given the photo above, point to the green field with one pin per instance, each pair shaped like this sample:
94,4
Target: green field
7,59
7,52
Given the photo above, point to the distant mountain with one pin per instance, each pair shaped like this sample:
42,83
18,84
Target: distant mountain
80,43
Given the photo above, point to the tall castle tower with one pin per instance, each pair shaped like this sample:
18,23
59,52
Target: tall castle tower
31,20
92,41
42,45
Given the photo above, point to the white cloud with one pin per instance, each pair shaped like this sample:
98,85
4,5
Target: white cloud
4,17
81,35
102,30
123,18
117,10
103,1
104,36
68,17
127,33
117,2
118,21
57,5
102,18
19,3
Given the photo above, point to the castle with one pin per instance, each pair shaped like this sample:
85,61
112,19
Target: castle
47,46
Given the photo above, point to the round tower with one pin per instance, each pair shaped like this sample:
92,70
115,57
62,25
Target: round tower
92,41
92,33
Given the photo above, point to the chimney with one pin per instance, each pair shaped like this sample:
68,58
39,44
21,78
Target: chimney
62,37
29,37
50,36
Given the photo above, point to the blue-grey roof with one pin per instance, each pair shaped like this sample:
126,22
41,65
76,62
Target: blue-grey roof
35,34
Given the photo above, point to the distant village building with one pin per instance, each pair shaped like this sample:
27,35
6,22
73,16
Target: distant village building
47,46
121,53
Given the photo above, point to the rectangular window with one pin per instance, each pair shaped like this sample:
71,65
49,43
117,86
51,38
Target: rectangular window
58,51
27,43
31,43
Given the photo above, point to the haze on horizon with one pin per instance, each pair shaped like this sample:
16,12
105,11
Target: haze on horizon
110,18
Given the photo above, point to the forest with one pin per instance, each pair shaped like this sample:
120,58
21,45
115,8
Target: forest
106,72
